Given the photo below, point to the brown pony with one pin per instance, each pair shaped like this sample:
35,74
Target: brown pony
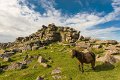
87,58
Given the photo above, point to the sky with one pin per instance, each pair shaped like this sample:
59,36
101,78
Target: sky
94,18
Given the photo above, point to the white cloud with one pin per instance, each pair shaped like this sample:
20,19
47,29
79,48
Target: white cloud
106,33
14,24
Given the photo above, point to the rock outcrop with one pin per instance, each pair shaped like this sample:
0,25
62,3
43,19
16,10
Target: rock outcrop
52,33
44,36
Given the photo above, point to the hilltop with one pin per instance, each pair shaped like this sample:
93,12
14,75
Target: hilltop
46,54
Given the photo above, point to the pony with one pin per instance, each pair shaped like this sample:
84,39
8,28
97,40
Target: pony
88,57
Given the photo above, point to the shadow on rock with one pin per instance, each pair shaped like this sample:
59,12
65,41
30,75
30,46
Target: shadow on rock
104,67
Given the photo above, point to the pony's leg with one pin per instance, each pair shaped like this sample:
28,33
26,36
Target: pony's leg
82,67
79,67
93,65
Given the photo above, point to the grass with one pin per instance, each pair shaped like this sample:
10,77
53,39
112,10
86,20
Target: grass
61,58
98,51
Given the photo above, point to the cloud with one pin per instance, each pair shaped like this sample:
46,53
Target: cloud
20,20
12,22
107,33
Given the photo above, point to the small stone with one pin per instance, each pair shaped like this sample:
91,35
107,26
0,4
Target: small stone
44,65
56,71
56,77
35,47
6,59
41,59
40,78
97,46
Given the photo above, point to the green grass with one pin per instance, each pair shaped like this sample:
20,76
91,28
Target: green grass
99,51
61,58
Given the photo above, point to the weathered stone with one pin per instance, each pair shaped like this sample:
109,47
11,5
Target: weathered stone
16,50
92,40
118,45
7,54
40,78
83,45
112,47
86,38
7,59
35,47
112,42
26,39
81,38
37,43
109,59
15,66
10,53
117,57
19,39
44,65
56,77
60,29
107,42
51,27
3,45
113,52
41,59
25,48
97,46
2,50
56,71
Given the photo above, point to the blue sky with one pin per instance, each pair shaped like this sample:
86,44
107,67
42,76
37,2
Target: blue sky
94,18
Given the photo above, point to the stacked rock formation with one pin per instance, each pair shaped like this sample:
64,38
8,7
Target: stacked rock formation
44,36
52,33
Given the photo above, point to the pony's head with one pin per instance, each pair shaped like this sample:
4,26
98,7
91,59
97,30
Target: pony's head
73,53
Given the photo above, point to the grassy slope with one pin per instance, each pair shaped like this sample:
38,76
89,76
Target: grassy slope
61,58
